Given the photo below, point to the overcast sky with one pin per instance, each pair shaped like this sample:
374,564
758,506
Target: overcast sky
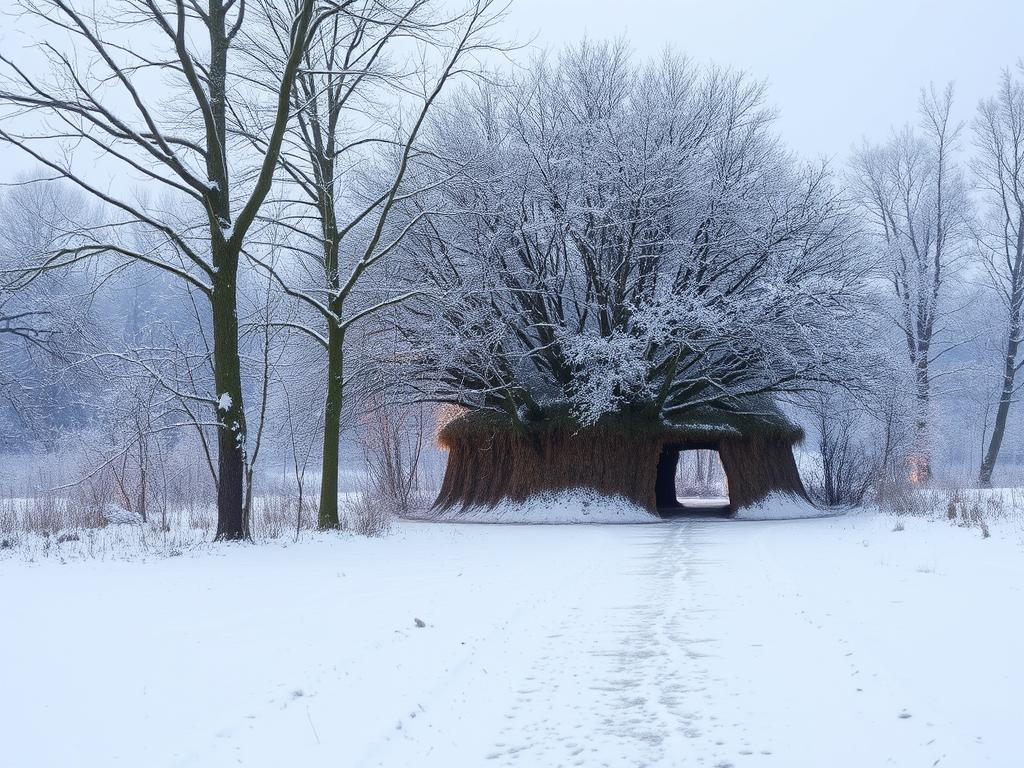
838,69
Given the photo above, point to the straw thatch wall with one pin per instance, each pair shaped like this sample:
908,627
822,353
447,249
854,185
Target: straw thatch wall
489,460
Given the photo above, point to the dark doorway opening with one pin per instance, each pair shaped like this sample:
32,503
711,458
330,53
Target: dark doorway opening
691,481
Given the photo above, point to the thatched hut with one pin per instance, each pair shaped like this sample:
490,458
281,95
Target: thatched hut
489,460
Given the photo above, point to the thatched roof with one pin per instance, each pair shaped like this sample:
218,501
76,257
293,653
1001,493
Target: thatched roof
754,416
751,418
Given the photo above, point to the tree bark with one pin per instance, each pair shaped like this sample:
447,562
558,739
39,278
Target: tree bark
988,464
227,376
331,463
330,468
922,459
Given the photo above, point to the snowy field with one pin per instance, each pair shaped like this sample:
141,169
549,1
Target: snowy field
822,642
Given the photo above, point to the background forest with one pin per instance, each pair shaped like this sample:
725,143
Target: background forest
242,307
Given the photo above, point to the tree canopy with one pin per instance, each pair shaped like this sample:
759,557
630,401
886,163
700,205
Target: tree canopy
620,237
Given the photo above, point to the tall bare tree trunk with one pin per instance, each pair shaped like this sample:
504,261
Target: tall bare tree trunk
988,464
1010,365
227,374
330,468
328,518
921,469
231,434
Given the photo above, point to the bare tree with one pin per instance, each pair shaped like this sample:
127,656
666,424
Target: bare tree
999,168
913,190
100,97
348,164
849,466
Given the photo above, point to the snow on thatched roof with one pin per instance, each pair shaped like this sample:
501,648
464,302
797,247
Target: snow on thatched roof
750,417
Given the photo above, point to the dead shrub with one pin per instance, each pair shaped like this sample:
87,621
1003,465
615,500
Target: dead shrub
901,498
392,440
369,515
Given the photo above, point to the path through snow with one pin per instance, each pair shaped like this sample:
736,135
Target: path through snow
806,643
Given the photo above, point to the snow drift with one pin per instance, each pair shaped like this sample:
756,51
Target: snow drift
577,505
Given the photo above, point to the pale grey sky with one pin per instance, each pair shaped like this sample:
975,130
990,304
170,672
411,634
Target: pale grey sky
838,69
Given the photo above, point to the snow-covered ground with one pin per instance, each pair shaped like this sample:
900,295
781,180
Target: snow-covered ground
821,642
